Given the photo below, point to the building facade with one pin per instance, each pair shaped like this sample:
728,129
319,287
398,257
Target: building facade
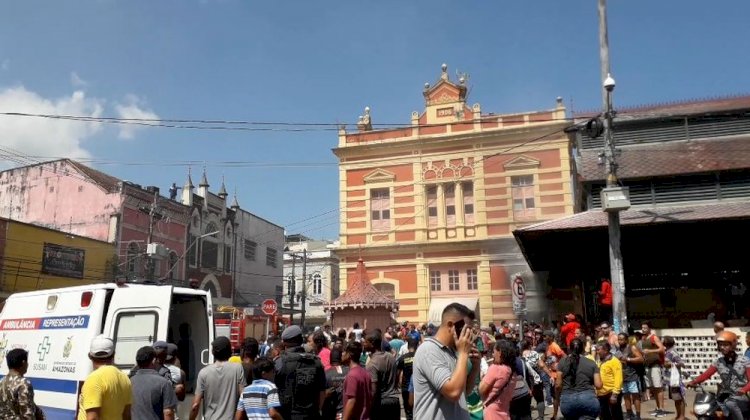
687,167
68,196
431,206
321,285
34,257
258,260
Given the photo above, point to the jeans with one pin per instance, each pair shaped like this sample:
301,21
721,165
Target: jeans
549,392
737,406
579,405
610,411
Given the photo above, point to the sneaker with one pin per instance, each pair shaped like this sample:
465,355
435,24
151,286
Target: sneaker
550,406
659,414
635,417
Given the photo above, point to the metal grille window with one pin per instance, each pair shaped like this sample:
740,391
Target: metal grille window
472,282
454,282
271,257
250,247
435,285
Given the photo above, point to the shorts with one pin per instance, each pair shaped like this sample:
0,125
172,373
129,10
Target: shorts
631,387
676,393
653,377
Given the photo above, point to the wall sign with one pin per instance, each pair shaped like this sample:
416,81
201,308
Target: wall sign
63,261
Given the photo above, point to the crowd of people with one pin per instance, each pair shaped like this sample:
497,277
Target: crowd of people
455,370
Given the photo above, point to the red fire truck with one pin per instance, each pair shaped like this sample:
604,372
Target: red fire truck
237,324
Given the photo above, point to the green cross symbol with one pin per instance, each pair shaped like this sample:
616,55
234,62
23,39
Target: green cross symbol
43,349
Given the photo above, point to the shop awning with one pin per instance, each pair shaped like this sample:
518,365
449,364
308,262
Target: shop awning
437,305
677,236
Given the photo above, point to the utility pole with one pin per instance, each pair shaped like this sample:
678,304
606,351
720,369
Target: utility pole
150,266
292,287
304,287
612,191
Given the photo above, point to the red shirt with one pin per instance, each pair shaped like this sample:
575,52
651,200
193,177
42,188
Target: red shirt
605,295
357,385
568,332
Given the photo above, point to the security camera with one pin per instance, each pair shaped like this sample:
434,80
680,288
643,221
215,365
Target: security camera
609,83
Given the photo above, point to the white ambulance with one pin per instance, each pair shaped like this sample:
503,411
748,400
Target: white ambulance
56,327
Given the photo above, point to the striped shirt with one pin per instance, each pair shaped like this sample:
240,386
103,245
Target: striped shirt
258,398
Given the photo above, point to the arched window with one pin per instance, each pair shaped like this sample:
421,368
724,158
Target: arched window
317,284
387,289
173,258
133,258
210,248
209,287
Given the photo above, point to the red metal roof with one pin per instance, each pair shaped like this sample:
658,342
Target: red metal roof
107,182
362,294
645,216
671,158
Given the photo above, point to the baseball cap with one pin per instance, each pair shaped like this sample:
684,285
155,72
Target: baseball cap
160,345
102,347
291,332
604,325
171,351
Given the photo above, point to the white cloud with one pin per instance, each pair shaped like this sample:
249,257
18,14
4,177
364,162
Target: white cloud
133,108
47,137
76,80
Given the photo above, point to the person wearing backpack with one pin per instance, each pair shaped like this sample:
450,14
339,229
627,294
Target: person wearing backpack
520,404
300,379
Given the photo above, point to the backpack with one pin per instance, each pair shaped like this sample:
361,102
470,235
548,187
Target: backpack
300,393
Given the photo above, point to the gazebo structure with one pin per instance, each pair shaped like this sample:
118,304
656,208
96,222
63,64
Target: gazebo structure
362,301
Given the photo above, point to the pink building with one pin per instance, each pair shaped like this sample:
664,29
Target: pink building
72,197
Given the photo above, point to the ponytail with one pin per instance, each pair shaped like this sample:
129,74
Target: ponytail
576,348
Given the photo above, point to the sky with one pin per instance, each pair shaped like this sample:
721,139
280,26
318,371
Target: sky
318,62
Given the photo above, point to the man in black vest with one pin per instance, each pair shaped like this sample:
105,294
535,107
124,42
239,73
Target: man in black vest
300,379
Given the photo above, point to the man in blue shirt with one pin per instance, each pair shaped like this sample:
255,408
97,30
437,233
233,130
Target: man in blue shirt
747,342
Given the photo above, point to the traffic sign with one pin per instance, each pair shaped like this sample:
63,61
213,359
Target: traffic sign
519,288
269,307
518,292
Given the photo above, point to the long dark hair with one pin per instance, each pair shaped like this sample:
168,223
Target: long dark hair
576,349
507,352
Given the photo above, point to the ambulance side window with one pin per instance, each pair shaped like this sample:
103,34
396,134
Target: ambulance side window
133,330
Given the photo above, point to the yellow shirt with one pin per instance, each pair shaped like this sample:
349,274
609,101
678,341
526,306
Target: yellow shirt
106,388
611,373
235,359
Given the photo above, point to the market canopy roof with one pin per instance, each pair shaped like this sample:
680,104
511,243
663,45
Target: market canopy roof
675,236
362,294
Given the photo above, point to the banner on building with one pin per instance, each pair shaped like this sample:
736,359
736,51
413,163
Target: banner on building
63,261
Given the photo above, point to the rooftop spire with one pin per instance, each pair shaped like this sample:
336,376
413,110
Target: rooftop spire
189,182
235,203
223,189
204,179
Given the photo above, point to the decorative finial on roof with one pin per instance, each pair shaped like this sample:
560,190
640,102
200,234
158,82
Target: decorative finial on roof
204,179
444,68
223,189
426,86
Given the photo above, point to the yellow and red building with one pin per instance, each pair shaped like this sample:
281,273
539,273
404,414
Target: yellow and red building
431,207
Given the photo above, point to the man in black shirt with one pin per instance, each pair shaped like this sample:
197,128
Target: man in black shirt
405,364
333,407
300,379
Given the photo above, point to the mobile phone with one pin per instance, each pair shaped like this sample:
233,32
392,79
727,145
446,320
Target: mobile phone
459,326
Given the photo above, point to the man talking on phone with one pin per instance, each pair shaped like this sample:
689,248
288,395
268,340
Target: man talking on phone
440,372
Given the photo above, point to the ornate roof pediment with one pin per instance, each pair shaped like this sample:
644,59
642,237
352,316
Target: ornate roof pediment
521,162
379,175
